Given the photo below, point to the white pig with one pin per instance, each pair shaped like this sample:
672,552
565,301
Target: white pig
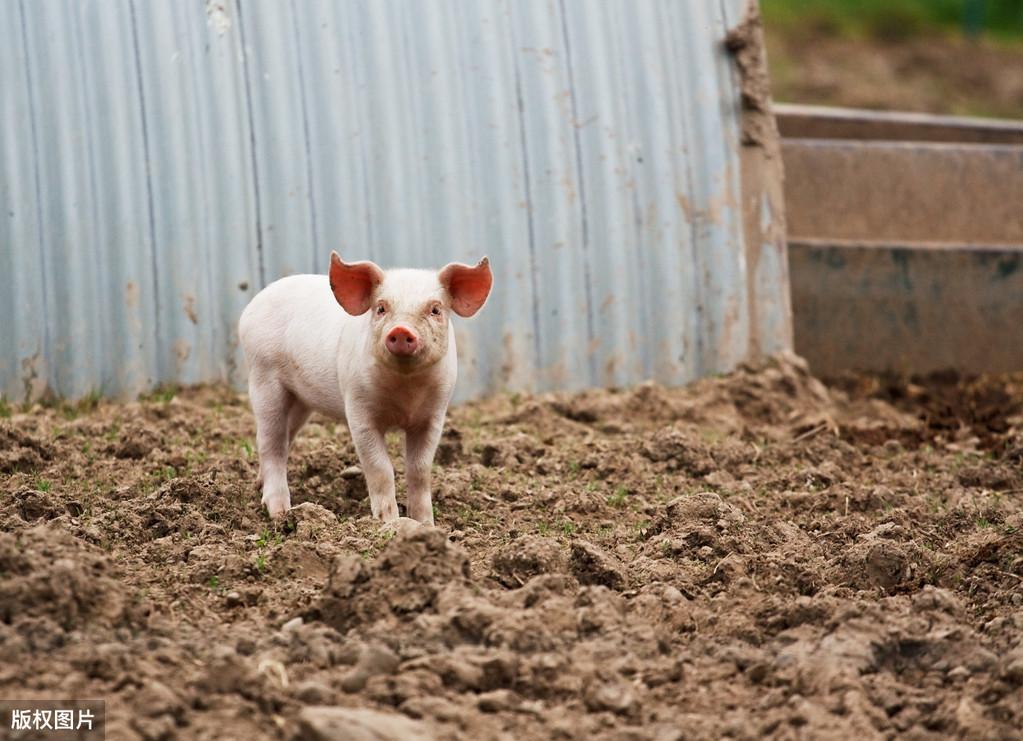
384,359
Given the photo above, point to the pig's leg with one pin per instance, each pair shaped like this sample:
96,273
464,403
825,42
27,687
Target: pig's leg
420,445
298,415
371,447
271,404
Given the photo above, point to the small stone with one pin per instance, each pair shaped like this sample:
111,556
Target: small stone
310,516
614,696
672,595
313,692
156,698
402,526
319,723
291,625
352,472
233,599
354,681
496,701
957,673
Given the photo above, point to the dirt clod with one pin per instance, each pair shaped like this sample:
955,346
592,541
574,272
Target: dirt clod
591,565
526,557
51,575
406,580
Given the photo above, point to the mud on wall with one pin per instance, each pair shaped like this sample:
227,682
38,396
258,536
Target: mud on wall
159,163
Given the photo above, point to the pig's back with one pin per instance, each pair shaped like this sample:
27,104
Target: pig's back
292,329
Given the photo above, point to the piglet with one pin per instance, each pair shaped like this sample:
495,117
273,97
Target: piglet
371,347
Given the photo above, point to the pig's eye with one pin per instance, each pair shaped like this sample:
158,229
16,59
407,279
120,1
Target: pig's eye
381,309
435,311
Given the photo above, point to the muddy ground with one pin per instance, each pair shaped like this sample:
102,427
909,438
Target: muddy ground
757,554
930,74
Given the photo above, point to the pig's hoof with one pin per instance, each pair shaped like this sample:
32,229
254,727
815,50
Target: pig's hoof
277,509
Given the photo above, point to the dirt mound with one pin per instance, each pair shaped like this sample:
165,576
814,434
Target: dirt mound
778,393
403,582
51,576
21,451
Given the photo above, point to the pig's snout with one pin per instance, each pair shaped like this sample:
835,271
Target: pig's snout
402,341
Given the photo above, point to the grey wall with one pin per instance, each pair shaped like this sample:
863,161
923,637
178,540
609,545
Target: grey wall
161,161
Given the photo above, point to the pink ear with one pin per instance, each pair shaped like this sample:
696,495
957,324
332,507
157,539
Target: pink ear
353,284
468,287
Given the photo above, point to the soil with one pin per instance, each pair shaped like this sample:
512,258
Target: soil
757,554
928,74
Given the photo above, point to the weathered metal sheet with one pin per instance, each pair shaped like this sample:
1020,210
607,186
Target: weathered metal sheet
161,162
904,191
907,308
905,256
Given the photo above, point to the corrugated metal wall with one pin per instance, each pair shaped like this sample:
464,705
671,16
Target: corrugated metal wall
161,161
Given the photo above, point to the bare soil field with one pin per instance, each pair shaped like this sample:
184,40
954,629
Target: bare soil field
755,555
927,74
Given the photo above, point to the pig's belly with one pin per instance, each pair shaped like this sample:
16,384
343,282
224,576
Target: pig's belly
318,389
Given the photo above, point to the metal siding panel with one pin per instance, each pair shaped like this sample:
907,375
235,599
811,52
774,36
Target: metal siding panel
23,362
498,342
721,257
195,154
271,63
70,260
176,192
563,305
334,115
596,125
230,221
665,235
124,266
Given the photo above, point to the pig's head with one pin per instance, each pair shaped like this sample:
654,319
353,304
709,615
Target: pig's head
409,309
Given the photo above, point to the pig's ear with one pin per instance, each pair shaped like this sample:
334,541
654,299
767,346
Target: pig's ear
467,286
353,283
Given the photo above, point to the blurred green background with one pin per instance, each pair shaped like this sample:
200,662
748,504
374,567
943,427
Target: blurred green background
940,56
895,19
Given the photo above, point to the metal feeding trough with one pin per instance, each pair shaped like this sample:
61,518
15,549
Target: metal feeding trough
905,240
